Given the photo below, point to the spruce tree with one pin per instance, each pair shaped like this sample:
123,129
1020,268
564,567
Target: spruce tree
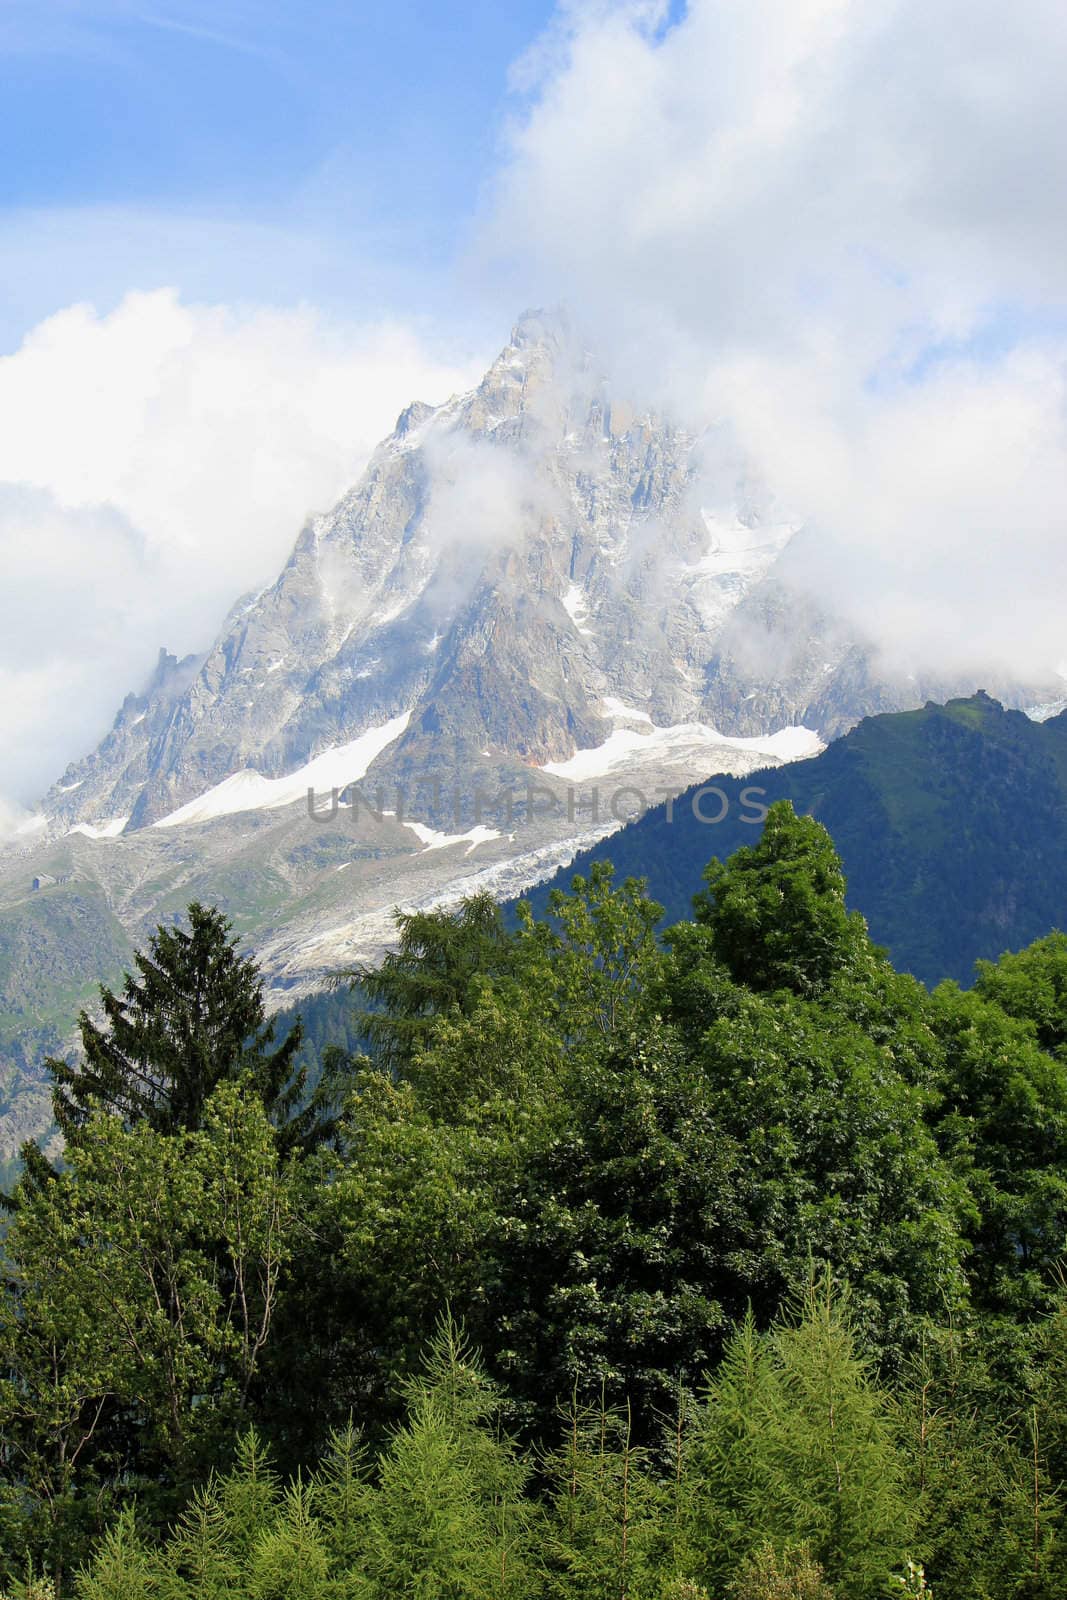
198,1559
726,1474
795,1448
190,1017
969,1476
342,1501
836,1484
123,1569
291,1560
608,1538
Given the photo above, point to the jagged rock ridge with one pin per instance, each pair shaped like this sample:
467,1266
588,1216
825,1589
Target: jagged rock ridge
510,566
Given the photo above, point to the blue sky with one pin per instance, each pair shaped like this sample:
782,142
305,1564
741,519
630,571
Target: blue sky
360,135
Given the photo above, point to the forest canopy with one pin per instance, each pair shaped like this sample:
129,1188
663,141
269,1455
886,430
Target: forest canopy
717,1259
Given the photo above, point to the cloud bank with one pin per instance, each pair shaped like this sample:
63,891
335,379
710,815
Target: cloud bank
155,463
835,230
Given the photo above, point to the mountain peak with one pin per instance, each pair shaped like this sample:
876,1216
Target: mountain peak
543,329
412,417
512,568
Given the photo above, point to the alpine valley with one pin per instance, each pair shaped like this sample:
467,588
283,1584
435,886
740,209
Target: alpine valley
534,591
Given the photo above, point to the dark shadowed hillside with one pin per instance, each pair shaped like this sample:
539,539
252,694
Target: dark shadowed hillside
951,823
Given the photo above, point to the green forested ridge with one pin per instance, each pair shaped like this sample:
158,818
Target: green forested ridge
951,823
649,1263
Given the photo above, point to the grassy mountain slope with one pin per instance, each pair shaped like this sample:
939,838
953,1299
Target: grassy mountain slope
951,822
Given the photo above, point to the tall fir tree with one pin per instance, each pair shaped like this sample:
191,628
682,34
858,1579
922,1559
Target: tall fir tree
191,1017
450,1519
795,1447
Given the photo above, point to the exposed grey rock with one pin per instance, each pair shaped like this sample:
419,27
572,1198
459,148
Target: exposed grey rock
522,572
506,562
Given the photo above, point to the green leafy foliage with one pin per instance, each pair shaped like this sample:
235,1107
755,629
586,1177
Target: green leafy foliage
793,1575
1002,1123
141,1285
776,910
1031,985
759,1242
428,975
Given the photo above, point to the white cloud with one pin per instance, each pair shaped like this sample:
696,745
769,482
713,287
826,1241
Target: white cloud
482,497
834,229
155,463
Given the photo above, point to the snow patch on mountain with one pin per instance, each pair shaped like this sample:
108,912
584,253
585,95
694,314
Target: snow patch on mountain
250,791
737,557
737,546
298,953
681,743
620,712
1044,712
433,839
576,606
110,828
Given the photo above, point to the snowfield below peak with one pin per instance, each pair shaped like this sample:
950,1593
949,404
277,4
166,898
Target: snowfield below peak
619,711
681,743
250,791
433,839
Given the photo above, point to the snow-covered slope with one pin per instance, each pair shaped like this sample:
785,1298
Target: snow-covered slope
628,749
250,791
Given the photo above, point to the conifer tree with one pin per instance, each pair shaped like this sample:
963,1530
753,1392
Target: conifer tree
836,1471
726,1476
449,1518
191,1017
428,975
216,1549
795,1448
342,1500
606,1540
198,1559
964,1452
123,1569
290,1561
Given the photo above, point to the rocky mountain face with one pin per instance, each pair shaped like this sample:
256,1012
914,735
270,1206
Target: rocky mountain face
533,584
510,566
